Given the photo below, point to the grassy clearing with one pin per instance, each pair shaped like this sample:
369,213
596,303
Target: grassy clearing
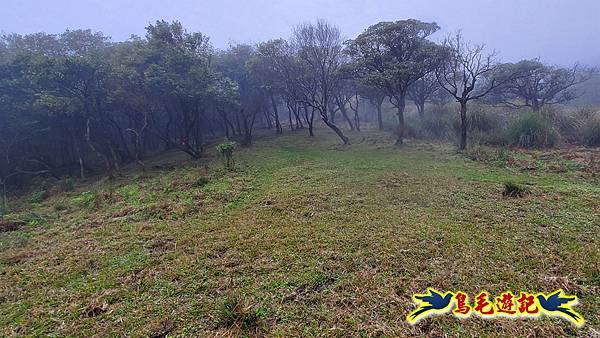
306,237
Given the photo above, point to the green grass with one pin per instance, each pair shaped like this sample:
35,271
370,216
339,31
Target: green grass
308,237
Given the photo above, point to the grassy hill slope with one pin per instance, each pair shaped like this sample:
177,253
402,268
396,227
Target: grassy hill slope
306,237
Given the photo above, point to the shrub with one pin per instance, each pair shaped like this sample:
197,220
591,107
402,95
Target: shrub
481,121
226,150
127,192
66,184
38,196
513,189
88,199
591,133
200,182
531,131
60,206
433,125
33,219
478,153
568,125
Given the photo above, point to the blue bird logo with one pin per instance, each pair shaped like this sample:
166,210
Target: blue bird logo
558,304
432,302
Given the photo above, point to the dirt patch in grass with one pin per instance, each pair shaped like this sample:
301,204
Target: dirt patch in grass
8,225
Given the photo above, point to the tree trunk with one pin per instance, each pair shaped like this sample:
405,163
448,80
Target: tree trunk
81,168
279,129
105,158
535,105
346,117
297,116
421,109
290,118
400,105
338,131
309,120
4,197
268,119
379,116
463,126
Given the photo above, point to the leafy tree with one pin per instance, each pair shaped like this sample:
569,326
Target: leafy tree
319,49
235,64
265,67
392,56
539,84
177,74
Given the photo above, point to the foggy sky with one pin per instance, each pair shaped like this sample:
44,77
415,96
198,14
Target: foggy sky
558,31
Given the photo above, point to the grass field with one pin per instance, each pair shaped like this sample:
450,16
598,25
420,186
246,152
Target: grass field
306,237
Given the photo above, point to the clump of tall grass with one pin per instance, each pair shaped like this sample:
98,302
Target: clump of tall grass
591,131
513,189
531,130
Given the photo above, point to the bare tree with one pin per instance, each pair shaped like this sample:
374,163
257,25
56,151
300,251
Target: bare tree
319,47
468,74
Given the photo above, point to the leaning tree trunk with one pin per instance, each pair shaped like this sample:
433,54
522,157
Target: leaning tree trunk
463,126
268,119
338,131
333,127
345,114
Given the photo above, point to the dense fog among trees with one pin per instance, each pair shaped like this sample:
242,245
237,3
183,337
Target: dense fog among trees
77,103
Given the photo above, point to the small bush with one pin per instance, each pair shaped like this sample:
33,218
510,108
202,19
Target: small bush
66,184
88,199
591,133
430,126
567,124
513,189
127,192
532,131
34,219
60,206
38,196
234,313
200,182
478,153
481,121
226,150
